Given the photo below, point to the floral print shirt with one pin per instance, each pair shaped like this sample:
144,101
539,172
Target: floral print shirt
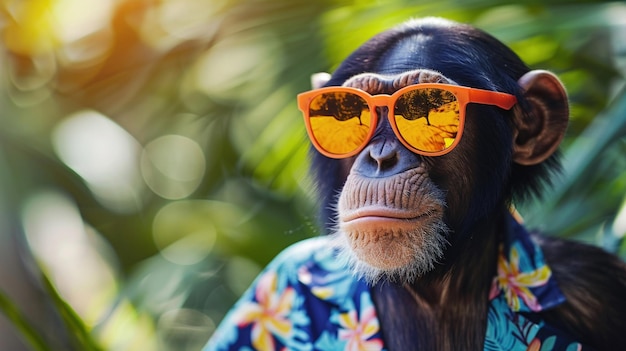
306,300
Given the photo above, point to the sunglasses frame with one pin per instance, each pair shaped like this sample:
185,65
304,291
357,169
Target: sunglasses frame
464,96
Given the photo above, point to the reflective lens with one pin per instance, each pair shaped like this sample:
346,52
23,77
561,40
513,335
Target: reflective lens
340,121
427,119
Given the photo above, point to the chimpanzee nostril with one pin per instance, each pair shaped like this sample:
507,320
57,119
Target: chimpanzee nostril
388,163
384,160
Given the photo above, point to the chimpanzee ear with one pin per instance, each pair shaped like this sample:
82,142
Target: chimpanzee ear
541,128
318,80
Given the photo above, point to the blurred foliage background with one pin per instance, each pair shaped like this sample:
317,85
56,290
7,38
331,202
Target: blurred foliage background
153,160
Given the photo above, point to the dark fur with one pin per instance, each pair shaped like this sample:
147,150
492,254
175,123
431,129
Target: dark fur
449,307
594,284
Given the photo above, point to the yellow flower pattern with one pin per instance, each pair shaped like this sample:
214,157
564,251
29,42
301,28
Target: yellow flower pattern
268,315
358,333
516,283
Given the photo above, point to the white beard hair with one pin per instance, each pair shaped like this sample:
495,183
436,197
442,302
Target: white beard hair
427,253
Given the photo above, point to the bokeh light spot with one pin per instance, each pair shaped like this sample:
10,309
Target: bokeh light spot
76,257
173,166
75,19
184,329
240,272
30,27
104,155
190,249
619,224
183,236
233,68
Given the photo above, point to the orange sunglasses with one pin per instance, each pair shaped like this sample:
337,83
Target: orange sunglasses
427,118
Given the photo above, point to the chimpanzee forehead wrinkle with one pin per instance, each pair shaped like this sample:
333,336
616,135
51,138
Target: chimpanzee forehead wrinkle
387,84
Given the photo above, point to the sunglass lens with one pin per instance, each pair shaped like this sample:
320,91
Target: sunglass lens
340,121
428,119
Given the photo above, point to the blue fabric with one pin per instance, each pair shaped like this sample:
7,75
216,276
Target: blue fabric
306,300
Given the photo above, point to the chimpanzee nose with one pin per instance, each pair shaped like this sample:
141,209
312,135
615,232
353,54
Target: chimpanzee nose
384,155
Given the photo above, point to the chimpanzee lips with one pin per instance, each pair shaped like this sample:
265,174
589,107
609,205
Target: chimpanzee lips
381,217
388,239
380,212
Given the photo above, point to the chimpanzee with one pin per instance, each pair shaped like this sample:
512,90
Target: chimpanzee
423,138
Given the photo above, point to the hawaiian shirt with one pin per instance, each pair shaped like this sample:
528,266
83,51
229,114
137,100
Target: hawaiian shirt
306,299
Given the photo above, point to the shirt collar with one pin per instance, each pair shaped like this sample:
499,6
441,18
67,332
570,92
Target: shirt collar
523,276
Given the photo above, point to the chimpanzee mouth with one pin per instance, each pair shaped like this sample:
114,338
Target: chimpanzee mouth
382,217
399,244
382,213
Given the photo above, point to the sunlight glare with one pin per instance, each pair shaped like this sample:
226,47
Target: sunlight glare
619,224
104,155
75,19
71,252
235,67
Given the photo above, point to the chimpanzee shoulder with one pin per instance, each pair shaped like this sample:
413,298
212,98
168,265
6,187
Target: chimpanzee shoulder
594,284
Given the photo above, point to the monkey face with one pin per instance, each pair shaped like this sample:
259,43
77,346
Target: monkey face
390,213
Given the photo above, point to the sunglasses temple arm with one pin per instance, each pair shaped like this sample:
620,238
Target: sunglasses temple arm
502,100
